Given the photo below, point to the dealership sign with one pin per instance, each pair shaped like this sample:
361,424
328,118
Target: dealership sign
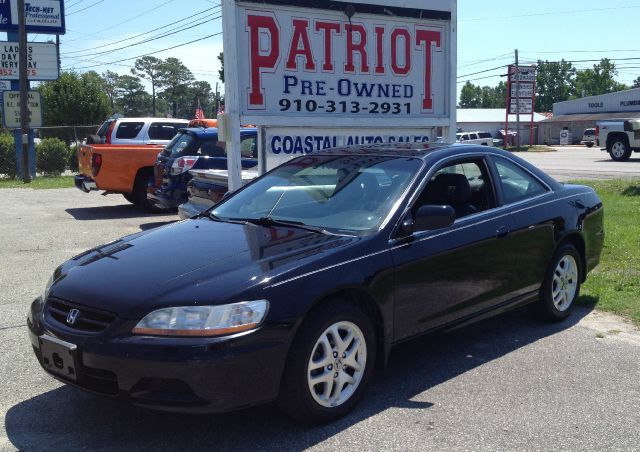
41,16
42,61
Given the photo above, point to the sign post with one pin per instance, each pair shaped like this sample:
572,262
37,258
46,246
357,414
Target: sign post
20,63
521,96
338,73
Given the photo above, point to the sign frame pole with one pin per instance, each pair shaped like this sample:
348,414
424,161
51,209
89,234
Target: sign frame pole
24,93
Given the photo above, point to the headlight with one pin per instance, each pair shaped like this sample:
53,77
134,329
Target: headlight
203,321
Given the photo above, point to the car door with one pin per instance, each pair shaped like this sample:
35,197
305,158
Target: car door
443,275
536,219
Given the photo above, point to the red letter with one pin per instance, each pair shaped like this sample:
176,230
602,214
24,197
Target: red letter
257,60
327,28
428,38
397,69
360,47
379,50
300,33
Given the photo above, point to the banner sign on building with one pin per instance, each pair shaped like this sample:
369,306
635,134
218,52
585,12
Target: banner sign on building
42,61
41,16
11,109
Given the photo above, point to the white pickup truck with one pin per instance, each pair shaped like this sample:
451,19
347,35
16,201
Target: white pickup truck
481,138
619,137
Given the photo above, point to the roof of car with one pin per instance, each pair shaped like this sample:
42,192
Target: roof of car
149,119
212,132
395,149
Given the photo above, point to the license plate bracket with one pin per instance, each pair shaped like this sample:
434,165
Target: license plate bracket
59,357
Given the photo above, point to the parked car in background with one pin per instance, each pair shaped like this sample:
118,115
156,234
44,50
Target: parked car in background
295,287
481,138
589,137
207,188
619,137
137,131
117,168
194,149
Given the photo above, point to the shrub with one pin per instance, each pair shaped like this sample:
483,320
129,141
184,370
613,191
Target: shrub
52,156
72,160
7,155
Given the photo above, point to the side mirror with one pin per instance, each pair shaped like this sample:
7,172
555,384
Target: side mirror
430,217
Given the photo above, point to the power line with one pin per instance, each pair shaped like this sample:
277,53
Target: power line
482,72
205,21
151,53
85,8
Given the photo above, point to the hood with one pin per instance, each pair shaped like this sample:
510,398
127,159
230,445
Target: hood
196,261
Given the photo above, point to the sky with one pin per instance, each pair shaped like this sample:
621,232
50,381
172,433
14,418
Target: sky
105,35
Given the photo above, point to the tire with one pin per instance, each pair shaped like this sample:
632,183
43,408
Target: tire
94,139
619,150
139,194
129,197
316,354
561,286
590,145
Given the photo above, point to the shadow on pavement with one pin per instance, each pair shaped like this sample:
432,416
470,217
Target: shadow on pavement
108,212
634,190
67,418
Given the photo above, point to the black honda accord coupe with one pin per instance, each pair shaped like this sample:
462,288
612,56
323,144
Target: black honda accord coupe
297,286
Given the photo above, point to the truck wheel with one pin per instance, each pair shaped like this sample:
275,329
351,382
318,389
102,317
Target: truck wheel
619,150
129,197
139,194
589,144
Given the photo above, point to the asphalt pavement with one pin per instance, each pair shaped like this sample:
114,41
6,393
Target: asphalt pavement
509,383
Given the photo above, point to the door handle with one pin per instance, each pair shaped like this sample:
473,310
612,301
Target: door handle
502,231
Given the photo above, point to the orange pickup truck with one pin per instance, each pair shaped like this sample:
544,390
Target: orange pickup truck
125,169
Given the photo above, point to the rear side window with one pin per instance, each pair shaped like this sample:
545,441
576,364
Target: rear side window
474,136
129,130
211,148
517,184
164,130
102,131
249,147
485,135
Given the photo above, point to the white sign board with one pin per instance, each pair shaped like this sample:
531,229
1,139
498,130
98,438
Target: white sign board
5,85
525,74
526,90
11,109
285,143
319,67
41,16
522,106
42,61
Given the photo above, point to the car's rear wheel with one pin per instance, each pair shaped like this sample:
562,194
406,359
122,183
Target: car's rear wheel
619,150
561,285
589,144
139,194
129,197
330,363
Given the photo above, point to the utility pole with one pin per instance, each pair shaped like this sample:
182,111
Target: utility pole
24,92
517,103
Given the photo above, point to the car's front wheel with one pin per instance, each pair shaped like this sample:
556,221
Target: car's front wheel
561,285
330,363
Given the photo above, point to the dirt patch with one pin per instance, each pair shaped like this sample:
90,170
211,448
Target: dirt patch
607,326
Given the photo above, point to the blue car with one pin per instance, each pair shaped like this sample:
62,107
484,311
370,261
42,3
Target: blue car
194,148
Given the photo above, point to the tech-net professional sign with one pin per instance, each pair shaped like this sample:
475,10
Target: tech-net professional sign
41,16
296,62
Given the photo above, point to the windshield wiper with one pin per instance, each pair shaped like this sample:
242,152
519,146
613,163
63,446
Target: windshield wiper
214,217
268,221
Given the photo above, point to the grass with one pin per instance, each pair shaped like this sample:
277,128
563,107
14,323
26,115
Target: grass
614,285
39,183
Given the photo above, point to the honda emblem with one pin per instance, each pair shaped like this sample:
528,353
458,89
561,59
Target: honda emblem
72,316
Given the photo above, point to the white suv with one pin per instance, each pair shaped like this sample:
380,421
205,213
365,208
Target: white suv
482,138
137,131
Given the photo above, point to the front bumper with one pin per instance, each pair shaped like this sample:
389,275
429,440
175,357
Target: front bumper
172,374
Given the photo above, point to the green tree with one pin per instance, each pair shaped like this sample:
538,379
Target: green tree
554,83
176,78
470,96
221,70
110,82
74,100
636,83
599,80
150,68
132,99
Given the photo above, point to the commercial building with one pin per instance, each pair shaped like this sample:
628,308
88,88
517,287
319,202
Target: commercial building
574,116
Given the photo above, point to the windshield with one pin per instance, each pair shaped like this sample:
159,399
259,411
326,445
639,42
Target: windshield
341,194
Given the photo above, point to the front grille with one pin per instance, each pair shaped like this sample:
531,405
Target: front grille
87,320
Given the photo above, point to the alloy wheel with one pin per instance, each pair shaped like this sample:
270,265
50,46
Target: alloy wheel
565,283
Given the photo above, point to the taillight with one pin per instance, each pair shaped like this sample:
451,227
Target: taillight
96,163
182,165
109,131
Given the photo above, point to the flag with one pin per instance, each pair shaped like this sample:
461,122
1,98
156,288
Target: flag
199,111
